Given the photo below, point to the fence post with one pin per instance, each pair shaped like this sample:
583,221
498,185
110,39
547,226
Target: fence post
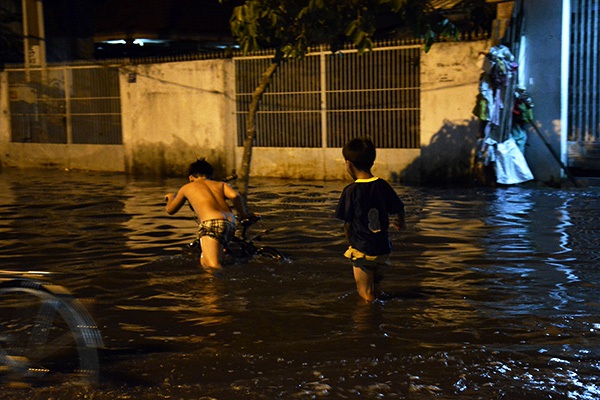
68,125
323,97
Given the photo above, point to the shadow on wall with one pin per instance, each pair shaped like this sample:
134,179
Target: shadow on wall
448,158
165,161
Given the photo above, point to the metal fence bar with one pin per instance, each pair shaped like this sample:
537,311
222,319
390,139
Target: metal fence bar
326,99
595,68
586,106
95,106
68,111
35,107
65,104
584,79
578,79
375,104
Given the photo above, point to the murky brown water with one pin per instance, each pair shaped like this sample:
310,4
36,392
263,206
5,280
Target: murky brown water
493,293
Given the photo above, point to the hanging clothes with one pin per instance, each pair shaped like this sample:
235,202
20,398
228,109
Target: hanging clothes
522,116
504,150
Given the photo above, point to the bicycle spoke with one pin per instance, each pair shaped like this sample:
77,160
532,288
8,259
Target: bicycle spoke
43,323
6,361
54,347
50,337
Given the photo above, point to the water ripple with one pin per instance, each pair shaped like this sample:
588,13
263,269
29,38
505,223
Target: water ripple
497,288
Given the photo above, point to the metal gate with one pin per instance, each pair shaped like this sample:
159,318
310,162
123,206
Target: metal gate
584,86
326,99
69,105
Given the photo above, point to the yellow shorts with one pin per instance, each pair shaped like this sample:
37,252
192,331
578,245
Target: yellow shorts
365,261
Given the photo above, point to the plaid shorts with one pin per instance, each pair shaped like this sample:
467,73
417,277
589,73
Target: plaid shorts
221,230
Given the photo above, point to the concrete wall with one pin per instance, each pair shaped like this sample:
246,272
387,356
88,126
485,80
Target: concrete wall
323,164
542,76
174,113
450,83
450,75
66,156
87,157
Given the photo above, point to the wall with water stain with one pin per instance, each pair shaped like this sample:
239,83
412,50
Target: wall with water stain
450,75
174,113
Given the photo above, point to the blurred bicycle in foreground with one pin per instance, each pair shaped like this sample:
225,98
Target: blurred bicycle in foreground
46,335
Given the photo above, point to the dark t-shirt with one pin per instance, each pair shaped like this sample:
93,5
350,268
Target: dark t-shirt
366,204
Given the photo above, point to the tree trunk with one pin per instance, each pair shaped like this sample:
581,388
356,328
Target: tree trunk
251,127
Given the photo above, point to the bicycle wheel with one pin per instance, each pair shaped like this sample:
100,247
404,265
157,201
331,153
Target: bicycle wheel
46,335
271,252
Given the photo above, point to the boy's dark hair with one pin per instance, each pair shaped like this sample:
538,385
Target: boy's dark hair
361,152
201,168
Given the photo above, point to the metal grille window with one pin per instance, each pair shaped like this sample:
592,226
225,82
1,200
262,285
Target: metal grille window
376,95
290,111
79,105
584,79
96,106
37,107
324,100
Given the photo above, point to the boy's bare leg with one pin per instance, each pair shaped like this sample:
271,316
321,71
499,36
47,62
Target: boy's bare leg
365,284
211,252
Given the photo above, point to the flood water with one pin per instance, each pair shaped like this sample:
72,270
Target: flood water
491,294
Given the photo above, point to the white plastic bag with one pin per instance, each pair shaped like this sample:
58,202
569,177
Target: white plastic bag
511,167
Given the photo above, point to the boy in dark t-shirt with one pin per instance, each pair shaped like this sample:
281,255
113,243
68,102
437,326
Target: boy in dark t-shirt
365,207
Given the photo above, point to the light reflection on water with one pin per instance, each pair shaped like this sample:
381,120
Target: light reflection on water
493,293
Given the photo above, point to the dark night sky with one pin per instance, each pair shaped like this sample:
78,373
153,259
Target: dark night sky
75,27
85,17
189,24
162,18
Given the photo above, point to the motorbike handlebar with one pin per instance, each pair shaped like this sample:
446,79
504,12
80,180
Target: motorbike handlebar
254,218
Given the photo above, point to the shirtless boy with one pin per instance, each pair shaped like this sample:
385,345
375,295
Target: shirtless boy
208,200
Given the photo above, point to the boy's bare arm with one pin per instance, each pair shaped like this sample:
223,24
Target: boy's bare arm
174,201
236,198
398,221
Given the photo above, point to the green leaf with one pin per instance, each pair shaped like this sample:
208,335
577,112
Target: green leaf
316,4
281,23
430,37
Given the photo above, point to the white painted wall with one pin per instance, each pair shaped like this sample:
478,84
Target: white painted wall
174,113
450,83
450,74
543,77
89,157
